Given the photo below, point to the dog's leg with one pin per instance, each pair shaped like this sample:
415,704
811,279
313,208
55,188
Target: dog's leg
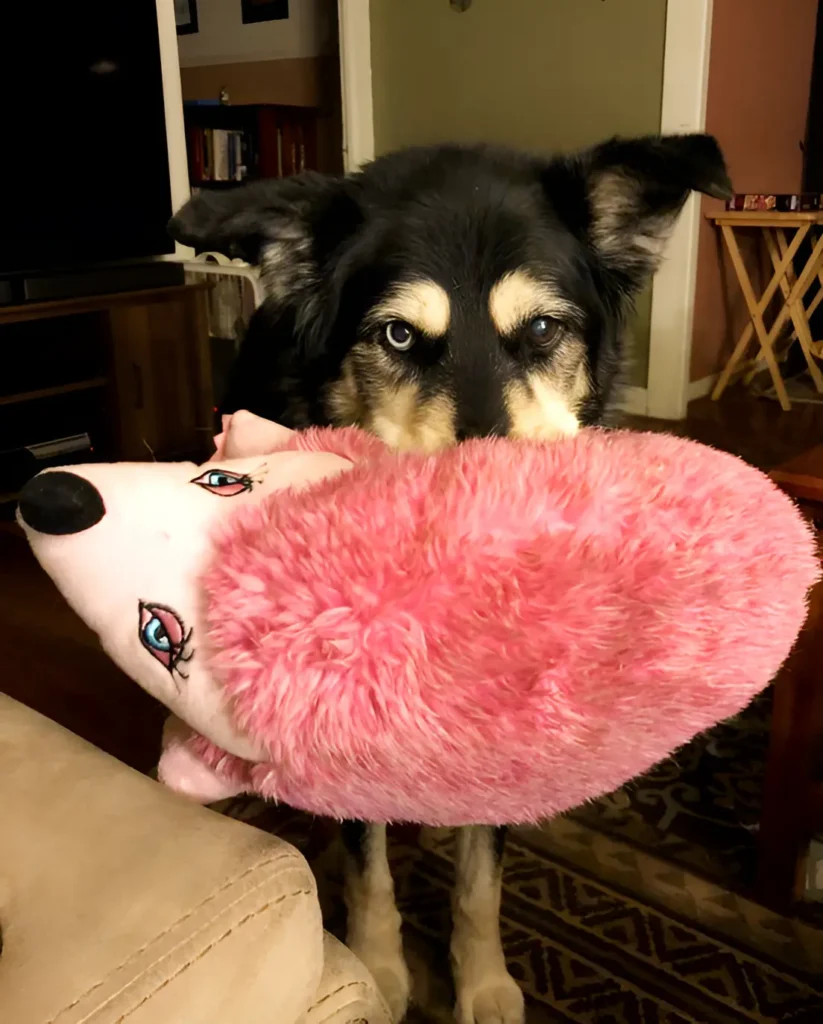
486,992
373,931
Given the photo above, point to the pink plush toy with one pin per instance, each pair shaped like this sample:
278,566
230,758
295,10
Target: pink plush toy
491,634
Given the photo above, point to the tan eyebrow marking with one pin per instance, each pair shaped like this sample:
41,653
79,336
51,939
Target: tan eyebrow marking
424,304
517,297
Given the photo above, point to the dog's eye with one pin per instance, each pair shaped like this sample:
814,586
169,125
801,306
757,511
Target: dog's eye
542,328
399,335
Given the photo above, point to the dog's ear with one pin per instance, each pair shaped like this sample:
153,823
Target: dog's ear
290,228
626,194
243,222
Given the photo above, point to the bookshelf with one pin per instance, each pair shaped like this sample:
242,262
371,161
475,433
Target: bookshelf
230,144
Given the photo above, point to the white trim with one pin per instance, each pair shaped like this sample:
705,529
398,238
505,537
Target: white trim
685,87
704,386
355,82
220,265
173,103
635,401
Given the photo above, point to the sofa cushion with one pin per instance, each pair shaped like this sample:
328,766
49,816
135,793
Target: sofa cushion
120,900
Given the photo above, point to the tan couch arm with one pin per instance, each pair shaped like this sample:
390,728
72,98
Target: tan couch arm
347,992
120,902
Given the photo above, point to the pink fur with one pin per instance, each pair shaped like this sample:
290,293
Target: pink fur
499,632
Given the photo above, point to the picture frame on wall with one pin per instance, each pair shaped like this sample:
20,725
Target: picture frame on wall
254,11
185,16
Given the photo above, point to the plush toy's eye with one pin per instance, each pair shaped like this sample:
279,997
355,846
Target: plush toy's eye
399,335
223,482
164,635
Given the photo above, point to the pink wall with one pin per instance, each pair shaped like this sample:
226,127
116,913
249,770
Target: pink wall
759,76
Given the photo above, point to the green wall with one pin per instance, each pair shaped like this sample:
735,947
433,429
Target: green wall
546,75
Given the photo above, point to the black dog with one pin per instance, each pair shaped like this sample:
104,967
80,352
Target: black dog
443,293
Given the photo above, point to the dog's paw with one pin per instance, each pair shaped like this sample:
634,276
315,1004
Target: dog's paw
496,999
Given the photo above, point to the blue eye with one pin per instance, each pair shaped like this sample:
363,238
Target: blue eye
223,482
155,635
164,636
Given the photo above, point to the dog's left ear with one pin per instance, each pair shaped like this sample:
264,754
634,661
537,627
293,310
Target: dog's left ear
626,195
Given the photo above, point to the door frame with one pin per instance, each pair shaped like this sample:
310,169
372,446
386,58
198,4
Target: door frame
685,91
683,109
173,106
354,27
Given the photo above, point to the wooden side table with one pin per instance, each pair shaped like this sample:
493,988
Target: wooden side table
793,288
793,793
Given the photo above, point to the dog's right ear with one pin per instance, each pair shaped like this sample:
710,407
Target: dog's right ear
244,222
290,228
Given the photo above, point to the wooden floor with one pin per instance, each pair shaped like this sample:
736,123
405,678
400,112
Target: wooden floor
756,429
52,662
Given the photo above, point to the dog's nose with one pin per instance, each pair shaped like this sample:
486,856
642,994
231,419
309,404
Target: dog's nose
60,503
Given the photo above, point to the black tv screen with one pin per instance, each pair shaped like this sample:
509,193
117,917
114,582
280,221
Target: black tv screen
84,172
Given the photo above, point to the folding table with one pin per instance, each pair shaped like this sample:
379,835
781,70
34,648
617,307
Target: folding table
783,235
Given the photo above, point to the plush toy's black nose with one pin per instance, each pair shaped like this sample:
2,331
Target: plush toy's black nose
60,503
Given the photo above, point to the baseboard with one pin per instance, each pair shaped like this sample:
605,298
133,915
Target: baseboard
701,388
635,401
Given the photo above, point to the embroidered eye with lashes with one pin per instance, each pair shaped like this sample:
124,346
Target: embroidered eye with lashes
163,634
224,482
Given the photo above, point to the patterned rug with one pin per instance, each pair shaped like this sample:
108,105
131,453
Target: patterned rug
700,808
594,930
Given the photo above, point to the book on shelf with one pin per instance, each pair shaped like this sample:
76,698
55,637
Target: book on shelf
220,141
217,154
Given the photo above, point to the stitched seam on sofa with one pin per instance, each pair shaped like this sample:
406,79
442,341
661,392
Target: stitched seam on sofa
180,920
207,949
367,990
190,938
224,911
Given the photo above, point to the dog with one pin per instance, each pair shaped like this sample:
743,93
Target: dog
438,294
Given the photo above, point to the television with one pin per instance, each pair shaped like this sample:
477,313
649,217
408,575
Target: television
85,184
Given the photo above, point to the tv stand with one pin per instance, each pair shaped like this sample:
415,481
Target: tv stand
131,370
106,279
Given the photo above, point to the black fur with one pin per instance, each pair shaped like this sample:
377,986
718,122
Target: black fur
462,217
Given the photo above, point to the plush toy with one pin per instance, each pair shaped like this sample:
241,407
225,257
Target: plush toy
490,634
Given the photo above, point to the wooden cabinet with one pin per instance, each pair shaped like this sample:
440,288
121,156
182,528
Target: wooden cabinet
162,376
134,367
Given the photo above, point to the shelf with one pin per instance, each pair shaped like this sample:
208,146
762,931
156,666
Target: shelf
59,389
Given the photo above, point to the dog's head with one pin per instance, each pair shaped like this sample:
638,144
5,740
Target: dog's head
455,291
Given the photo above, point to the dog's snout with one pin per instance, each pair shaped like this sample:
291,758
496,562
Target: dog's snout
60,503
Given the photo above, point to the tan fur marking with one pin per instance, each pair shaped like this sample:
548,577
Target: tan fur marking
407,424
617,221
423,304
518,297
539,409
344,405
